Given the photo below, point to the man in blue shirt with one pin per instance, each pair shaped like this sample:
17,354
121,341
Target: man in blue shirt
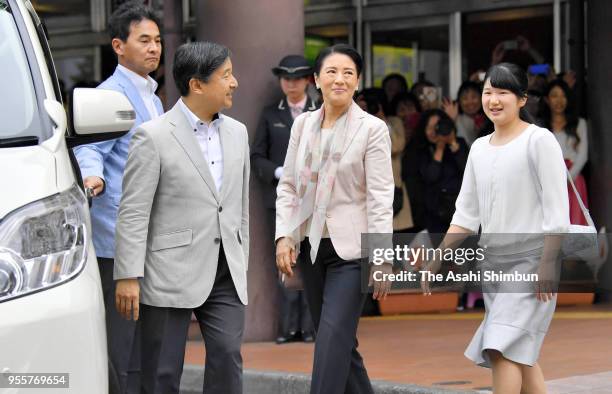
136,40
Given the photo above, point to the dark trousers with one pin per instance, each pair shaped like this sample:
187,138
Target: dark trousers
164,335
294,315
335,298
122,336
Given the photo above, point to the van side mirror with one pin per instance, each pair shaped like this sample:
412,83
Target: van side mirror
98,115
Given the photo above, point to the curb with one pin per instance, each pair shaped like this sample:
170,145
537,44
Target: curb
266,382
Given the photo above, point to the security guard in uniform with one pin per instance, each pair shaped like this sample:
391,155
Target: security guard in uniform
267,158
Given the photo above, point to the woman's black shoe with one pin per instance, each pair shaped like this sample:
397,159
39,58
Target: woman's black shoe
308,337
286,338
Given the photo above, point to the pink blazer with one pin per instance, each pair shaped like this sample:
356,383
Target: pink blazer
362,194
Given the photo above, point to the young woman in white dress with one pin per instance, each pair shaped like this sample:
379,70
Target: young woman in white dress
500,195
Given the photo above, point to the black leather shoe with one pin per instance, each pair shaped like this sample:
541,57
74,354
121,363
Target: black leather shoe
308,337
285,338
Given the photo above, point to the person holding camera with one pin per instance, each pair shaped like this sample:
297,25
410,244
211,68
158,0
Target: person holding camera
441,164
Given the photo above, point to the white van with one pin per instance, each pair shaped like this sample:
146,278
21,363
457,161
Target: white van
51,307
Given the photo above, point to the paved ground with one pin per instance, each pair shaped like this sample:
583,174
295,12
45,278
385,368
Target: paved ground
598,383
427,350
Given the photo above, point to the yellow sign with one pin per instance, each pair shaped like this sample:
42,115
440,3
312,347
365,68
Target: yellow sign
388,59
312,47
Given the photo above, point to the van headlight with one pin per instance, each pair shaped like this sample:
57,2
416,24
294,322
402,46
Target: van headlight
43,244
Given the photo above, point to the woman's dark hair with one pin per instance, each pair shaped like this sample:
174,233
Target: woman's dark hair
127,13
511,77
465,87
424,120
343,49
398,77
197,60
374,99
571,117
405,97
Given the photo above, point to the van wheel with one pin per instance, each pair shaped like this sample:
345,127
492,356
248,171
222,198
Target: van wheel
113,380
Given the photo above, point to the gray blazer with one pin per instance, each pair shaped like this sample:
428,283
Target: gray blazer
171,217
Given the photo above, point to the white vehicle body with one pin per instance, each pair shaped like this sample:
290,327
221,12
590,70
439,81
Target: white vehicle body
51,307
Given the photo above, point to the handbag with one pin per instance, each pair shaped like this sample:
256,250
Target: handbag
581,241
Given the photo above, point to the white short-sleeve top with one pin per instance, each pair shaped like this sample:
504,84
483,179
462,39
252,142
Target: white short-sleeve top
578,154
499,193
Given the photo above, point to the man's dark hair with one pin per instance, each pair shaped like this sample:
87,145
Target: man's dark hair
126,14
197,60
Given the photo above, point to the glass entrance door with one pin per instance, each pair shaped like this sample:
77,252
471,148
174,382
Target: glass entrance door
416,49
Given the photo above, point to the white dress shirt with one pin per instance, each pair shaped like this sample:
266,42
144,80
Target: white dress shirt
577,154
146,89
209,139
499,193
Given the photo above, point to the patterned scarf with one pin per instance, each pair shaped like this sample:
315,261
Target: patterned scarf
315,175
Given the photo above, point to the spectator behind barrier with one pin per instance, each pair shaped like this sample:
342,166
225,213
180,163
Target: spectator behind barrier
441,166
407,107
392,85
467,112
369,101
429,95
558,114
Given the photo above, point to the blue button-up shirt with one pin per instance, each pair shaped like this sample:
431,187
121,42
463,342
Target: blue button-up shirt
107,160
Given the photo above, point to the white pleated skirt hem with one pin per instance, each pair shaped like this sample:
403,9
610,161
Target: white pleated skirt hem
514,343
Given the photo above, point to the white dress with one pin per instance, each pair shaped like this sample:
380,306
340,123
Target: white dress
499,195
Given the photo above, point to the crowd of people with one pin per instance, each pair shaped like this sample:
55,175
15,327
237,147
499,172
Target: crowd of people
431,137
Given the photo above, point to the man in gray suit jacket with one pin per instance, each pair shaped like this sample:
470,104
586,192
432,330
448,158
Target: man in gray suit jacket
183,227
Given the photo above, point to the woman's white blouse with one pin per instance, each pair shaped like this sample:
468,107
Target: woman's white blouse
577,154
499,193
466,128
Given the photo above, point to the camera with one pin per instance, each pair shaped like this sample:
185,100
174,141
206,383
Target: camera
432,95
444,127
510,45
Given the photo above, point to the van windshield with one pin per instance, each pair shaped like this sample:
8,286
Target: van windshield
18,105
